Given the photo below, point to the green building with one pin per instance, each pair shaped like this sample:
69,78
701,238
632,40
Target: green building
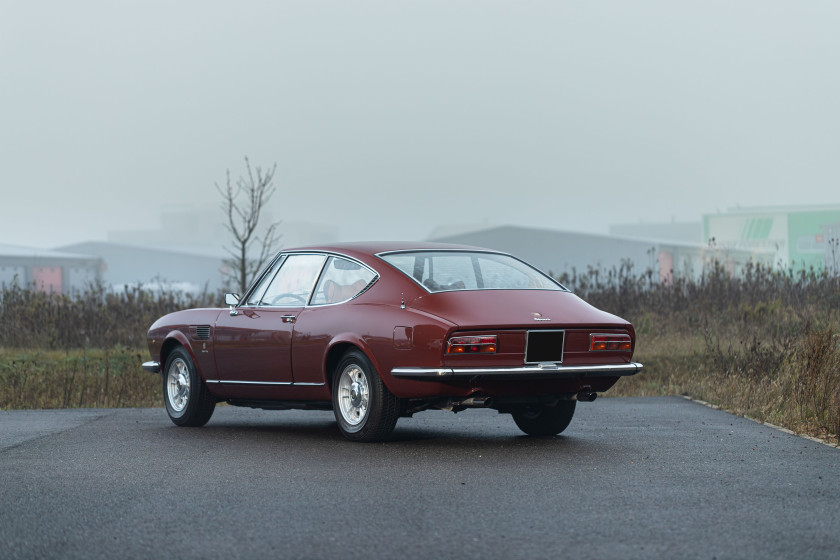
799,237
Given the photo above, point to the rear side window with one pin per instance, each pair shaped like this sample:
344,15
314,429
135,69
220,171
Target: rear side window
442,271
342,280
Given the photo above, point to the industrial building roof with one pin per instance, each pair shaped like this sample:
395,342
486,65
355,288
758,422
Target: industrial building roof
33,252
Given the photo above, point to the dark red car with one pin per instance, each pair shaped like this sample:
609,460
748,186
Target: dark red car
379,331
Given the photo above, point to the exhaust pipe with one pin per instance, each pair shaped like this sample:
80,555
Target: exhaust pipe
587,396
477,402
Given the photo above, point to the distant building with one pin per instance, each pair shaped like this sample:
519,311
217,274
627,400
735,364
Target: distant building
154,268
203,231
683,232
50,271
558,251
450,230
798,237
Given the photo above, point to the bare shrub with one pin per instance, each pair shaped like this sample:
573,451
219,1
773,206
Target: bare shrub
763,344
76,378
815,378
96,317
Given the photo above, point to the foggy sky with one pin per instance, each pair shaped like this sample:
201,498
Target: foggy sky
390,118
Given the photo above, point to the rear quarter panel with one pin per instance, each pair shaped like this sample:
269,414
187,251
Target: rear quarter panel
380,331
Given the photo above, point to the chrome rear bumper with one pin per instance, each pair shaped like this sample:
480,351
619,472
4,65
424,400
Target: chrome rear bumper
536,370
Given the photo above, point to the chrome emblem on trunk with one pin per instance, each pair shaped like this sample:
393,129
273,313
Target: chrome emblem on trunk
539,317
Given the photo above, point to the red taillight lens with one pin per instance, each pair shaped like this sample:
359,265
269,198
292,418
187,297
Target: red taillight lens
609,342
471,345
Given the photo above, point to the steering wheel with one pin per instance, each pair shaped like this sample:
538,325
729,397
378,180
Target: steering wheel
280,297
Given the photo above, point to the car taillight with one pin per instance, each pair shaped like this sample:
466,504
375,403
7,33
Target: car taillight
471,345
606,342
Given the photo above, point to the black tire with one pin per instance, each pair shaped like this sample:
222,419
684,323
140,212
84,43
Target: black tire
538,420
188,402
364,407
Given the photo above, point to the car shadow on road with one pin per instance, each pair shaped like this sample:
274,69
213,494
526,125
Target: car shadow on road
404,437
314,431
437,430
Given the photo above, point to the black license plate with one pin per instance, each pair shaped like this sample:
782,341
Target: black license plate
544,346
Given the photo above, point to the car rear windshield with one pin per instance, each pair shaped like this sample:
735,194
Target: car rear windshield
442,271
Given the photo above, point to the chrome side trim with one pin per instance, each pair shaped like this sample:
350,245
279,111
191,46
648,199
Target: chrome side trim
232,382
286,383
421,372
544,369
152,367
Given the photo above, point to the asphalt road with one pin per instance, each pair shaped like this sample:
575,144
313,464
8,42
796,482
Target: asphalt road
630,478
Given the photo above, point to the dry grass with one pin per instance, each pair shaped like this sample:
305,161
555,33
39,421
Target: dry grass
95,318
766,345
792,381
34,379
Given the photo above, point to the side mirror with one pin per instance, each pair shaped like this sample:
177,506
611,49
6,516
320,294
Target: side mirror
231,300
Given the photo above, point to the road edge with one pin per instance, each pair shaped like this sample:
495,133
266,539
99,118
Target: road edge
768,424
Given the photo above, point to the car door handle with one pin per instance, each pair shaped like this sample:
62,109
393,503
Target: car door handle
287,318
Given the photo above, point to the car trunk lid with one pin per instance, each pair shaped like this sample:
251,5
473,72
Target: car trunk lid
479,309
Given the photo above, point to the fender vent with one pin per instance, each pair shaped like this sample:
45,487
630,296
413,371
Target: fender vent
200,332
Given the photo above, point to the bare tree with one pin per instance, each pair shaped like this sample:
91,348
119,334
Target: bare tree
243,202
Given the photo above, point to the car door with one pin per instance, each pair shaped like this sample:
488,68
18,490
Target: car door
341,281
253,341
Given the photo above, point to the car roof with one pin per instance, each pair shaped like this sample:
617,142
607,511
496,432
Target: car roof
369,248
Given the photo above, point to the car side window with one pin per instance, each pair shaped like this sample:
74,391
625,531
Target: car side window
342,279
293,283
256,295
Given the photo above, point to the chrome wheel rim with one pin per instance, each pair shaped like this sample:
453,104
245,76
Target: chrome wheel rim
178,385
353,395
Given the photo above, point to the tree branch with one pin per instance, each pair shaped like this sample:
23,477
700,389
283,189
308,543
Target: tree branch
243,218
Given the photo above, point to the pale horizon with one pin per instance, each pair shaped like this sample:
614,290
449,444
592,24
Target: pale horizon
387,121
